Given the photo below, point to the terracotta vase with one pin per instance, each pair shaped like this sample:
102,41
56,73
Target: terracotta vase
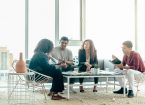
21,65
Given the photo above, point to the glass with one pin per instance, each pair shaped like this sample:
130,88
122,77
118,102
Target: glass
41,22
69,19
107,19
76,70
95,70
98,70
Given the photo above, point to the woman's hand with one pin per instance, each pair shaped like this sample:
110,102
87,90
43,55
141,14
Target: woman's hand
88,69
88,66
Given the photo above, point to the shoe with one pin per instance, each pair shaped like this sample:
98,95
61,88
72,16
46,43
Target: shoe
50,93
81,89
61,97
72,89
130,94
57,97
94,89
62,92
120,91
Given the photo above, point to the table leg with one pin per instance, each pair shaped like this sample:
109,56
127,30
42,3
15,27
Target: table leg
68,95
106,84
124,87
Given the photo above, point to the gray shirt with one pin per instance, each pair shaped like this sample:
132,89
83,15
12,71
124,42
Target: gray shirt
65,54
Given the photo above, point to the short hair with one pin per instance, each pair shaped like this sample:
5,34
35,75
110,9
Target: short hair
44,45
64,38
128,44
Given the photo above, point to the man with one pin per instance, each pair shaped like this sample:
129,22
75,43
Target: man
64,57
132,66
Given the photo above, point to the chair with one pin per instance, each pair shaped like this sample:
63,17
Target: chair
40,80
139,82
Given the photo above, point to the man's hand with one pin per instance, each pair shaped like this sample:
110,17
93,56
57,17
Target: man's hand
119,66
63,65
60,61
122,67
114,57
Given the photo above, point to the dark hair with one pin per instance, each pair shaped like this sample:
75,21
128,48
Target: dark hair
128,44
64,38
44,45
92,48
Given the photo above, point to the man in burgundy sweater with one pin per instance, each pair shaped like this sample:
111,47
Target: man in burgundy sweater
132,66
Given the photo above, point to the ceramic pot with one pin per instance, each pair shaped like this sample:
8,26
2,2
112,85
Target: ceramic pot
21,65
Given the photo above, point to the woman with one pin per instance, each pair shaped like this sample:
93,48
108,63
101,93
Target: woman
39,63
87,60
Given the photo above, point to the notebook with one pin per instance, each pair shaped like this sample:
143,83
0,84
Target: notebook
116,61
53,60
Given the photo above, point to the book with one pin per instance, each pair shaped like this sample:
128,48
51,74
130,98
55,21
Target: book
116,61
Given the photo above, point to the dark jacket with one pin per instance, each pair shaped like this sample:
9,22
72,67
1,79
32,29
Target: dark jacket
82,60
39,63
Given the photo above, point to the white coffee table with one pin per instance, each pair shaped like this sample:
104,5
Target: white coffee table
104,74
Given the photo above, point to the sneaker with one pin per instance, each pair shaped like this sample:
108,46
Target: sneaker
120,91
130,94
72,89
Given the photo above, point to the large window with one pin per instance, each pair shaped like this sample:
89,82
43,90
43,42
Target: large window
108,24
41,22
69,19
12,30
141,27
